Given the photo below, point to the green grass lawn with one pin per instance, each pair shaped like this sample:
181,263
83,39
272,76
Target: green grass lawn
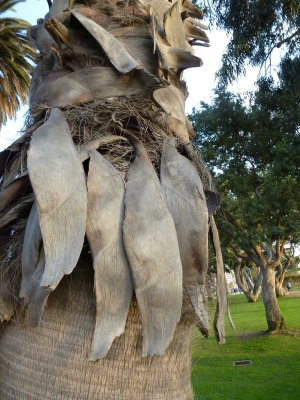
275,370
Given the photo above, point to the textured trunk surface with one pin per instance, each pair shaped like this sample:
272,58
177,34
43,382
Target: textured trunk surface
274,318
257,284
251,296
280,290
50,361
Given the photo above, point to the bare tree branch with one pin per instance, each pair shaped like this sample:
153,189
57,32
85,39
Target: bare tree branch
248,280
285,40
238,254
230,219
278,45
252,257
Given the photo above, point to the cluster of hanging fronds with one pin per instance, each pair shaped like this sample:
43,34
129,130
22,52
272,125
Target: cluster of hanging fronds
106,155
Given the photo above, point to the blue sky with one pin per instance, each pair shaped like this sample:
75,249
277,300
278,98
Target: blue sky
200,81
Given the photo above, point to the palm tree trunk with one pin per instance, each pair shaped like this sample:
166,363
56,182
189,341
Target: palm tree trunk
50,361
99,77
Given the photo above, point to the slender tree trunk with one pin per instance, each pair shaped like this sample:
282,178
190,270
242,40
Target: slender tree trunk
227,287
257,284
210,295
50,361
248,280
274,318
250,296
210,286
280,290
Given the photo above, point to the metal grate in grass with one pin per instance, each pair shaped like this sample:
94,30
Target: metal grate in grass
242,362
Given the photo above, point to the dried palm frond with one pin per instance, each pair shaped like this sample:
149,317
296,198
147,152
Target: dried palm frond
106,190
149,230
52,158
16,210
185,197
10,270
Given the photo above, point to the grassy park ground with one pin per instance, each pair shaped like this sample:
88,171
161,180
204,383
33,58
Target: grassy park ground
275,370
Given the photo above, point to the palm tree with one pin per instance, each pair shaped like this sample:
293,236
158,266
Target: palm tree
16,57
110,183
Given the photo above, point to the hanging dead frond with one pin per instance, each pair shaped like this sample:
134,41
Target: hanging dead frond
58,181
113,281
148,231
185,197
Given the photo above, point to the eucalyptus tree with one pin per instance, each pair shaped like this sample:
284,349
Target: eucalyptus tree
16,57
105,179
254,150
256,29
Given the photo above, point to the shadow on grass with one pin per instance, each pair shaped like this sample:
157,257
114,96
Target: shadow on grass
251,335
280,332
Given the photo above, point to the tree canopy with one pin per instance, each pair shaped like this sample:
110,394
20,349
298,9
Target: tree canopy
254,152
256,28
16,56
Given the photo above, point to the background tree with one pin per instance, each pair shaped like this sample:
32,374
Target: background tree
254,152
16,57
256,28
288,263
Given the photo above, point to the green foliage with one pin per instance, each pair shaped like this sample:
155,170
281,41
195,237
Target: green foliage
275,359
16,58
256,28
254,153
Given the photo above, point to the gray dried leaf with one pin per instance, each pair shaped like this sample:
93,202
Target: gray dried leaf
58,9
112,47
152,249
193,11
58,181
113,280
40,38
174,29
171,100
63,89
184,194
194,32
95,15
31,251
37,295
173,58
